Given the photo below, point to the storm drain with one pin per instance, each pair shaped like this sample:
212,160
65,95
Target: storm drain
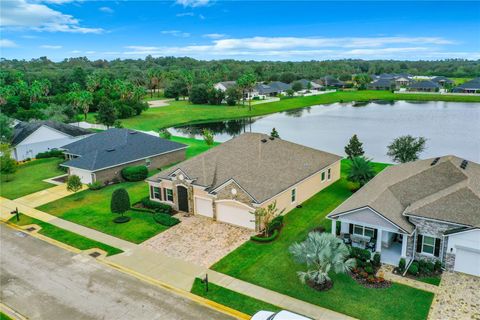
94,254
20,234
31,229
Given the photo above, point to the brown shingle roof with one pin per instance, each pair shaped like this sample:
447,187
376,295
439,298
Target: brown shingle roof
263,169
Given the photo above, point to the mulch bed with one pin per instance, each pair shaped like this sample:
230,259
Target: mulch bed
376,282
327,285
62,179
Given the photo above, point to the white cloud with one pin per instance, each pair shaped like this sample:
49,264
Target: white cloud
106,10
193,3
58,1
5,43
48,46
214,35
21,14
201,16
176,33
75,51
185,14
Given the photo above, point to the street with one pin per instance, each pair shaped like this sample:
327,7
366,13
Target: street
42,281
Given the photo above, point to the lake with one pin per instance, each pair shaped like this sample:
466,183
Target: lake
450,127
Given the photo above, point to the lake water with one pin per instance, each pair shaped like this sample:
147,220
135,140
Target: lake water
450,128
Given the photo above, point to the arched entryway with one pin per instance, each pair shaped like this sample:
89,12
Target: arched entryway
182,195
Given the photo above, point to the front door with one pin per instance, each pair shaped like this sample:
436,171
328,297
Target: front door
182,193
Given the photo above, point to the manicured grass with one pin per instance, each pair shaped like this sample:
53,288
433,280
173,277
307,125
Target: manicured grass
3,316
232,299
271,266
195,146
65,236
28,177
431,280
182,112
459,81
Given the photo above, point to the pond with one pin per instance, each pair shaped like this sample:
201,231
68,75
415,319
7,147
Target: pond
449,127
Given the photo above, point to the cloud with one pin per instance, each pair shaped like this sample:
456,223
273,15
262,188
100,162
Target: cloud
193,3
201,16
185,14
75,51
48,46
5,43
214,35
176,33
21,14
106,9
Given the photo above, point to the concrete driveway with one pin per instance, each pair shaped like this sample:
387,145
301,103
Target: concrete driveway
199,240
458,297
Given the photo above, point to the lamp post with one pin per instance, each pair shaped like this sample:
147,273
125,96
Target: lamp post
15,212
205,281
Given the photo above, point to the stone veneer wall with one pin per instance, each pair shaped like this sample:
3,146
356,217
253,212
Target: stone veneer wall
241,196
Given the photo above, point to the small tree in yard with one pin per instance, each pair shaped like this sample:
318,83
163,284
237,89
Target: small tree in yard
274,133
297,86
208,136
360,171
165,134
73,183
265,215
247,82
8,166
120,204
321,253
354,148
406,148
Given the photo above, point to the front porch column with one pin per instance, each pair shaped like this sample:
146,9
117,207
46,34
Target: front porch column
379,240
404,245
334,227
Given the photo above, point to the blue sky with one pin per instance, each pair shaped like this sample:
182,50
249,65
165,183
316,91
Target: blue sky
267,30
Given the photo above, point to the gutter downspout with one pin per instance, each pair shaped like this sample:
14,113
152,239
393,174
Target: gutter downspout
414,250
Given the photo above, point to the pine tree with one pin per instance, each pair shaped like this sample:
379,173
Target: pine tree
274,133
354,148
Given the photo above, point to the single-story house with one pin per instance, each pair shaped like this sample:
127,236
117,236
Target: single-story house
305,83
252,170
102,156
381,84
424,86
32,138
401,82
224,85
472,86
280,87
426,209
443,81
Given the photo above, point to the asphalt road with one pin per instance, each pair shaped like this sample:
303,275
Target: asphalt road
42,281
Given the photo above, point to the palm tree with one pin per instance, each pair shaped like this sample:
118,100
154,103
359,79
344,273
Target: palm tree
360,171
322,253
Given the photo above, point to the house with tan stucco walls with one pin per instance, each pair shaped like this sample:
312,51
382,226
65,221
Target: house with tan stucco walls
228,182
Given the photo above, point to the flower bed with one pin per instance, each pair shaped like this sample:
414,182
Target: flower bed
365,272
274,229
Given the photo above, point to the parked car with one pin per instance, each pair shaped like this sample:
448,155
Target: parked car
282,315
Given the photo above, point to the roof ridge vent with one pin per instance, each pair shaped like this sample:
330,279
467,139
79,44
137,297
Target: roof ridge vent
264,140
464,164
271,138
434,162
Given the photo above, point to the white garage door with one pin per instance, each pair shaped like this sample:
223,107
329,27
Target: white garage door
236,214
203,207
85,176
467,261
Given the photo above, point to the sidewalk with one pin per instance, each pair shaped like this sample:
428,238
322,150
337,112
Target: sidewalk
42,197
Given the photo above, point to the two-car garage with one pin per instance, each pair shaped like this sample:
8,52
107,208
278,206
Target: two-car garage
227,211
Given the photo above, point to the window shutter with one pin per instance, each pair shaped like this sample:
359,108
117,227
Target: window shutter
419,243
165,194
152,196
375,233
350,228
438,243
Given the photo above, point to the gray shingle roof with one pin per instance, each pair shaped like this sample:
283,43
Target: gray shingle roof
381,83
116,146
472,84
442,79
24,129
443,191
424,84
263,169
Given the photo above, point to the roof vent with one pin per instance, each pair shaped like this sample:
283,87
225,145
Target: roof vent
110,150
264,140
271,138
434,162
464,164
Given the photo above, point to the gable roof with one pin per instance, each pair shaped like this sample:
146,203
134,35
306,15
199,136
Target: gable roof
381,83
24,129
441,79
472,84
261,166
280,86
443,191
116,146
228,84
424,84
305,83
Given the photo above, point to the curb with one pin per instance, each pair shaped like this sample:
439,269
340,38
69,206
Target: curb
11,313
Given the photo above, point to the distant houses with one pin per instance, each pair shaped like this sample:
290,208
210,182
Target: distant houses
472,86
424,86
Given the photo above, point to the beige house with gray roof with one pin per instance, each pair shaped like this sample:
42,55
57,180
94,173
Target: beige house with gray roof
228,182
427,209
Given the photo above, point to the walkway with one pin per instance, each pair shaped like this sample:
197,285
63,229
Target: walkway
159,103
42,197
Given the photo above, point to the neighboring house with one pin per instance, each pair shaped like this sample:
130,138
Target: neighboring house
472,86
102,156
381,84
31,138
424,86
427,209
401,82
224,85
329,81
443,81
252,170
280,87
305,82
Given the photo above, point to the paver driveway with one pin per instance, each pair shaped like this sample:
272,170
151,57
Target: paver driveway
458,297
199,240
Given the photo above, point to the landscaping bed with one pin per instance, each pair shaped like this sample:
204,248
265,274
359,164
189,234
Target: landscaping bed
421,270
366,269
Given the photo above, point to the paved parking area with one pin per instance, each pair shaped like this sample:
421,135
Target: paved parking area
199,240
458,297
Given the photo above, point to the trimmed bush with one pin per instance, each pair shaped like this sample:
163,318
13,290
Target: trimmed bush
369,268
401,264
376,259
413,269
359,253
97,185
157,206
272,237
165,219
137,173
429,267
120,202
50,154
437,266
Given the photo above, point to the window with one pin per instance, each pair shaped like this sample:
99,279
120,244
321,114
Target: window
428,245
169,194
294,195
363,231
323,176
155,192
329,174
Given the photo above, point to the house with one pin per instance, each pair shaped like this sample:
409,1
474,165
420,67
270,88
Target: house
424,86
443,81
381,84
280,87
31,138
102,156
305,83
329,81
401,82
252,170
224,85
427,209
472,86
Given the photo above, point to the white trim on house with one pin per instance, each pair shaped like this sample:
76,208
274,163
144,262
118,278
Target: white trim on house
460,231
235,201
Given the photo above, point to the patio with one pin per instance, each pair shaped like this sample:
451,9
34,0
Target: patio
392,254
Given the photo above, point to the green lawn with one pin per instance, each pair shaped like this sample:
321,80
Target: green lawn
3,316
271,266
28,177
92,208
232,299
65,236
182,112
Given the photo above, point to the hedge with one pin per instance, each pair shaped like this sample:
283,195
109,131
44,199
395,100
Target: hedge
272,237
50,154
137,173
165,219
157,206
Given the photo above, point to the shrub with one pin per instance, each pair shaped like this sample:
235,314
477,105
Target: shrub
272,237
413,269
429,267
137,173
50,154
437,266
97,185
401,264
157,206
360,263
74,183
165,219
274,225
369,268
422,266
199,94
371,279
376,259
120,202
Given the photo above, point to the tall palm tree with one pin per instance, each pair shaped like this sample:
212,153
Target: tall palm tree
322,253
360,171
